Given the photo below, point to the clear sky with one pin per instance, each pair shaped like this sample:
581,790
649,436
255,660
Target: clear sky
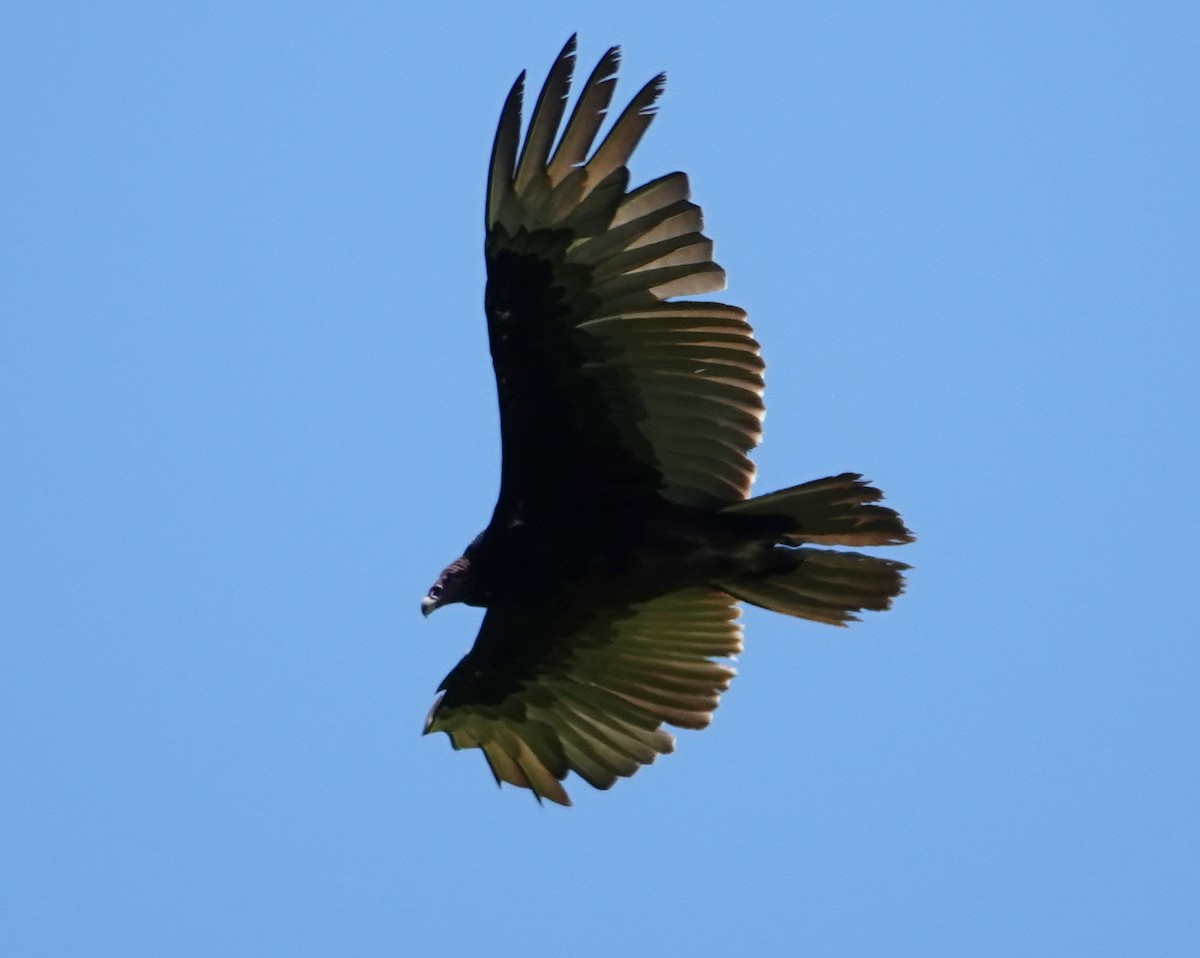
247,415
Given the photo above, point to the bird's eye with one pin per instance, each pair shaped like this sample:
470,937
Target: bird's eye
435,591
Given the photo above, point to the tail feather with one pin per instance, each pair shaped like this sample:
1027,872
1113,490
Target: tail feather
823,585
838,510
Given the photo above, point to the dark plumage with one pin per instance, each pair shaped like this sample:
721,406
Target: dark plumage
623,536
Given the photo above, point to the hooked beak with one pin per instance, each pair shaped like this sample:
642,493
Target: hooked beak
428,604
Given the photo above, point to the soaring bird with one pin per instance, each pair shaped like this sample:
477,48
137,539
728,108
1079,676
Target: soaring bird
623,535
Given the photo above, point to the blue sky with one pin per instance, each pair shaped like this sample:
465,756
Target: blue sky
247,414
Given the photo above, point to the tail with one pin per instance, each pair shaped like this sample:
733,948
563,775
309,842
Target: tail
836,511
823,585
819,584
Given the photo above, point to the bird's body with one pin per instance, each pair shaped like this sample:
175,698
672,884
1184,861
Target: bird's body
623,537
652,548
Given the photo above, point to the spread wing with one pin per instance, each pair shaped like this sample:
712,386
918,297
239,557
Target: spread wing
544,696
608,390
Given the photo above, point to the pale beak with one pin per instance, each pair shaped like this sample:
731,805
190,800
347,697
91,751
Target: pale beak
428,604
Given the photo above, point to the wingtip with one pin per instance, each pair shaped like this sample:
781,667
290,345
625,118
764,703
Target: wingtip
567,55
657,86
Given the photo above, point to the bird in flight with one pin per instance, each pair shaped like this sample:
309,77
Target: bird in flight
623,536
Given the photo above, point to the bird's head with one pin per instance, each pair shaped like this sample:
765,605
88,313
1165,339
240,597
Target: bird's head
453,585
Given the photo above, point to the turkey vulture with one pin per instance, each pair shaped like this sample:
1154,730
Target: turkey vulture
623,538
